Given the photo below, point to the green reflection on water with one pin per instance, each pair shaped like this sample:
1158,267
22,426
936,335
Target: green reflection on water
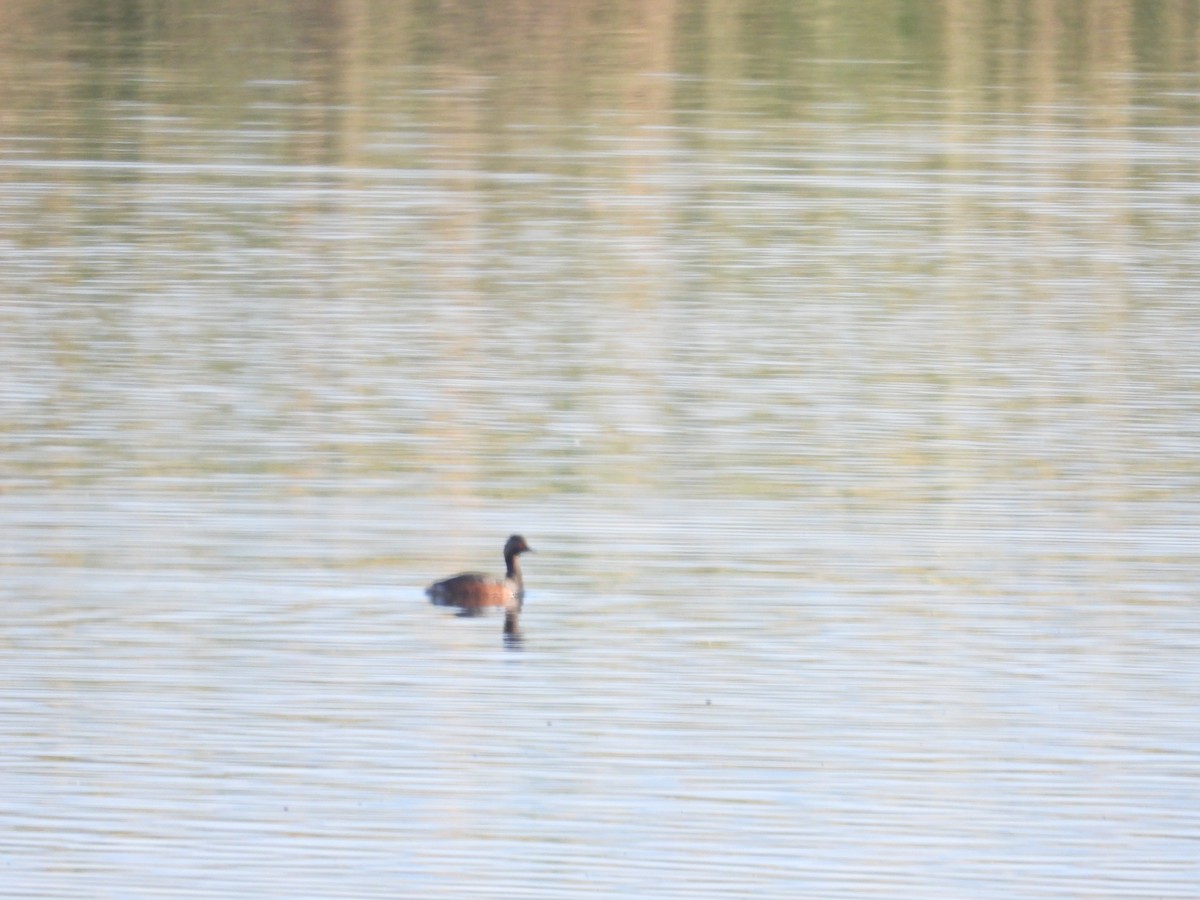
709,247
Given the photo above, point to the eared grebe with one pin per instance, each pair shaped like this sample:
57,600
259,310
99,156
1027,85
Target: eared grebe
473,593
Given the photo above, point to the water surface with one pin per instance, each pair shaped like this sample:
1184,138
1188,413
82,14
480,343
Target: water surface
841,367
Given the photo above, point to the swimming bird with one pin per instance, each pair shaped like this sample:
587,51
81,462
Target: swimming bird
473,592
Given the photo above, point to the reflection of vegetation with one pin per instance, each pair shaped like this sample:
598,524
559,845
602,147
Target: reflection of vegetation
590,55
311,76
331,232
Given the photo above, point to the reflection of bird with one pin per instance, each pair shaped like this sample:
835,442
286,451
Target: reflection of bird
473,593
512,630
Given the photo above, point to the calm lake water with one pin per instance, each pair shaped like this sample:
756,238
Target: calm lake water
841,367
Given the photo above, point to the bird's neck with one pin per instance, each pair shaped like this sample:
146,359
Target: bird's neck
512,572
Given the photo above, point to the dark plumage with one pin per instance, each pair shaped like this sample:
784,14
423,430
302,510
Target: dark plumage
473,592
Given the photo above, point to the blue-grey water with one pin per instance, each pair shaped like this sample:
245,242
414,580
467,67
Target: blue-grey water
841,367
